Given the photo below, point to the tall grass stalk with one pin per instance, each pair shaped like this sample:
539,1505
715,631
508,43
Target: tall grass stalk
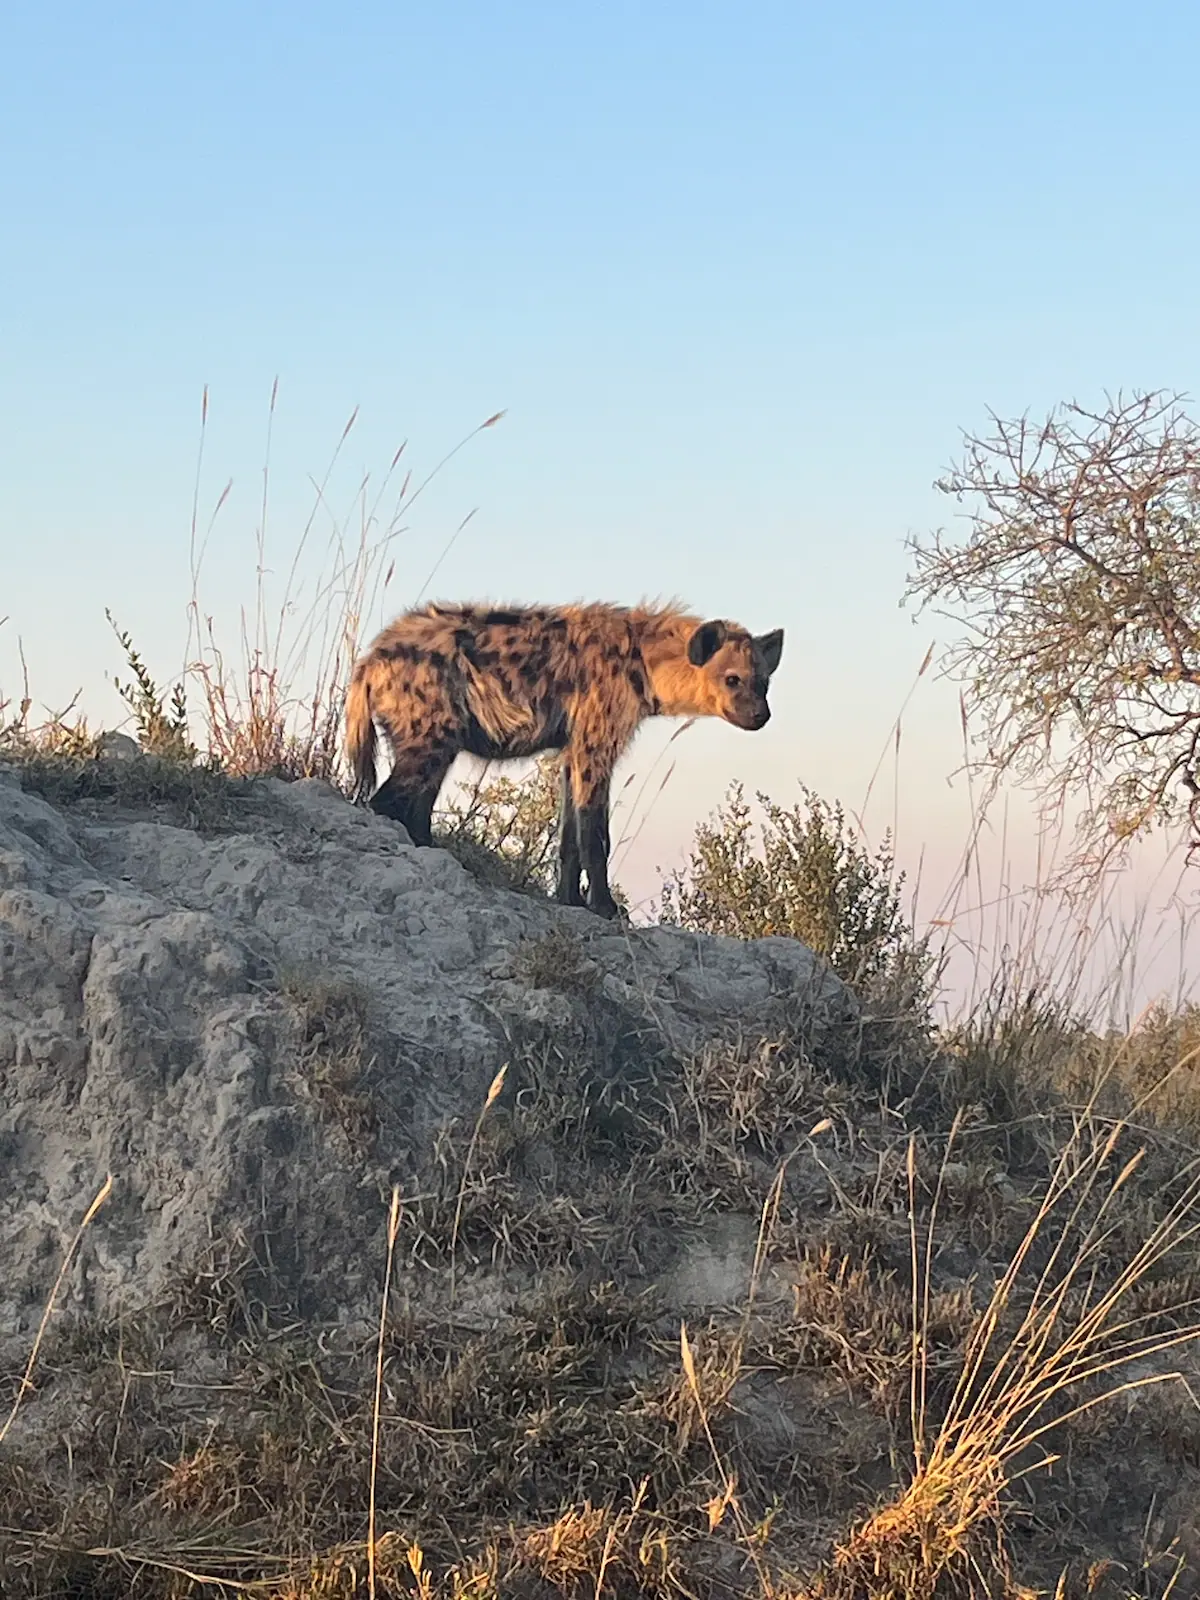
494,1089
393,1228
1038,1357
273,703
48,1311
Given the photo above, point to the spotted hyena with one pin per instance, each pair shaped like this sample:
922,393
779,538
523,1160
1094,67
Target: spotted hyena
444,680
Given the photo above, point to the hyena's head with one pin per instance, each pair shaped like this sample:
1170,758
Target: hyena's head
737,668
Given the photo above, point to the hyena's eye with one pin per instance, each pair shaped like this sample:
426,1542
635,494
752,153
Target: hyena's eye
732,681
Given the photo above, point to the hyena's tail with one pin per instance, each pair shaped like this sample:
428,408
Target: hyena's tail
360,735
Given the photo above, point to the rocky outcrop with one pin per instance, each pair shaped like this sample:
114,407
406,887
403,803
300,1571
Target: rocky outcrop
164,995
259,1009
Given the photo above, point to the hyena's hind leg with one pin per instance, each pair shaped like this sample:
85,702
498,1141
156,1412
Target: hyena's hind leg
409,793
570,892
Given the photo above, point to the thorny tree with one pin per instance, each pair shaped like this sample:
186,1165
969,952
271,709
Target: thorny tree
1079,586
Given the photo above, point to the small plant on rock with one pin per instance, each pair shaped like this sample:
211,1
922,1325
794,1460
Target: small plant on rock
162,726
505,830
513,821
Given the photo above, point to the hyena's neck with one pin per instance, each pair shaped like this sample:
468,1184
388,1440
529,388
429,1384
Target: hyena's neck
662,640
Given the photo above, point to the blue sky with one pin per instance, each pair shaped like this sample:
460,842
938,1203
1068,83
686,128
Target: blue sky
737,274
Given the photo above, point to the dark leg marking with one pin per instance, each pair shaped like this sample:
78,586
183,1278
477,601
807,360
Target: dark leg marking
569,891
420,830
594,845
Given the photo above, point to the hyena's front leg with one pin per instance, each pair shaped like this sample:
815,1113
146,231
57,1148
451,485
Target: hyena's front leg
569,891
590,795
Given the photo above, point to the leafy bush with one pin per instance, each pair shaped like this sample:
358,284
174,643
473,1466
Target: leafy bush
808,879
509,824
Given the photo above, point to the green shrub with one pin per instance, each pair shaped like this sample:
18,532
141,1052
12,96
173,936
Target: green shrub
162,727
806,878
507,828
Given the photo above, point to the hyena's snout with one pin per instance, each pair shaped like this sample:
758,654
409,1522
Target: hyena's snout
750,712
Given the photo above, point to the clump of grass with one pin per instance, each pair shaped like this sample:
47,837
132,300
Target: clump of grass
273,705
191,797
64,733
558,960
509,1192
586,1550
1016,1048
739,1106
68,763
701,1390
1055,1340
1158,1064
335,1055
852,1318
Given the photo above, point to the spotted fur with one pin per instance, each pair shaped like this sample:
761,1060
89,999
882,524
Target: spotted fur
495,683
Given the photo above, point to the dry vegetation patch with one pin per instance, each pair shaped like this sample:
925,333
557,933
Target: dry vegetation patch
893,1389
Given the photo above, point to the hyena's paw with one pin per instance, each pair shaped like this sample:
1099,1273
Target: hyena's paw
608,908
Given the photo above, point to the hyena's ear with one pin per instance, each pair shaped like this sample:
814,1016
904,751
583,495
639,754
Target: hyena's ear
770,647
705,642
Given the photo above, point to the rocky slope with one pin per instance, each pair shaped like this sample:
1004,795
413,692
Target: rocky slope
154,985
264,1014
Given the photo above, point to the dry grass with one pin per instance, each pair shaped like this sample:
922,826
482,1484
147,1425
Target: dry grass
984,1248
559,961
69,764
863,1416
1056,1339
26,1383
334,1055
272,703
269,702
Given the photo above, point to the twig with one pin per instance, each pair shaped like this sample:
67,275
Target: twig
392,1230
25,1384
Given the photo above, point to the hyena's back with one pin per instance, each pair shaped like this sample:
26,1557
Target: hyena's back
490,682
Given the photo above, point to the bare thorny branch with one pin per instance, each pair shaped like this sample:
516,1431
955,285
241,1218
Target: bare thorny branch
1078,586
